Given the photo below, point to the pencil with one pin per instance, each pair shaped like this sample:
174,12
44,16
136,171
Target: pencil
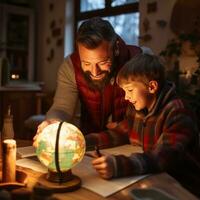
97,151
89,155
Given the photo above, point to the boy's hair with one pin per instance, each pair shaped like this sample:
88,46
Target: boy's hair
92,32
142,68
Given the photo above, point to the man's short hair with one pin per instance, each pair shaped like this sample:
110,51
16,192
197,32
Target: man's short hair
92,32
142,68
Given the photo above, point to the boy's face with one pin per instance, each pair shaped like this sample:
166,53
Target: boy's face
140,95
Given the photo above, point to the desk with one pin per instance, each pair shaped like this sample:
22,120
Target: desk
161,180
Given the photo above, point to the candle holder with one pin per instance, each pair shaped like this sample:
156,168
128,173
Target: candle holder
10,178
21,181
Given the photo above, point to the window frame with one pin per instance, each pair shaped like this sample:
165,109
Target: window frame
106,12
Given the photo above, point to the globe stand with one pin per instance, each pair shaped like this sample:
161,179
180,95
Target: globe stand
65,182
59,177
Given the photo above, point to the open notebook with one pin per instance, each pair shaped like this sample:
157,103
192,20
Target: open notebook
24,152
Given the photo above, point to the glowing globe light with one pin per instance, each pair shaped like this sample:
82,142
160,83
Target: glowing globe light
61,146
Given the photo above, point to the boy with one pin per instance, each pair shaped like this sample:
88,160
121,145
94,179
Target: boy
157,120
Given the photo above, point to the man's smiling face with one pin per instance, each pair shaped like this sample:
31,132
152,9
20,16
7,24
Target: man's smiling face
96,63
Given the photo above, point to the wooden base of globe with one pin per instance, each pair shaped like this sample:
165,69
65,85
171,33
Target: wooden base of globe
73,184
59,177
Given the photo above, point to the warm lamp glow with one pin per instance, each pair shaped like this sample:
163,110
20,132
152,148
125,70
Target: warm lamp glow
60,147
15,76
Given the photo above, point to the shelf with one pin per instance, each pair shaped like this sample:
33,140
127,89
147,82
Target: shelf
17,39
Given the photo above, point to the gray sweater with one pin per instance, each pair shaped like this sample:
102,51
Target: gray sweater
66,105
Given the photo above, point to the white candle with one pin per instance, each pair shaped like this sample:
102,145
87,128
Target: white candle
9,161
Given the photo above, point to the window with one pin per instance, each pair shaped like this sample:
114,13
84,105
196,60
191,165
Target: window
122,14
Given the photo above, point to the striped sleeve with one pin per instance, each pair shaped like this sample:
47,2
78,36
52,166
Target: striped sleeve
177,137
109,138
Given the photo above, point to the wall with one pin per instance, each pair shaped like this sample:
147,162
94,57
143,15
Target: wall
50,40
160,35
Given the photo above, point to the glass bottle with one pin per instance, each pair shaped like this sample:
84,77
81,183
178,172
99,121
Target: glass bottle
8,130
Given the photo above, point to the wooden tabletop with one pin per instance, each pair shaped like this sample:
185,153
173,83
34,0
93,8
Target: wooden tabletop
161,181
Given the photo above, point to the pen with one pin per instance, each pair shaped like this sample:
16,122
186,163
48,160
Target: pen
97,151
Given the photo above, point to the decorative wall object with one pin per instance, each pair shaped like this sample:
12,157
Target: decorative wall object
146,25
56,28
151,7
51,55
51,6
56,32
59,42
52,24
146,37
161,23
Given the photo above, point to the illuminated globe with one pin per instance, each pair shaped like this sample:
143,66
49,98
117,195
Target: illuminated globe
70,146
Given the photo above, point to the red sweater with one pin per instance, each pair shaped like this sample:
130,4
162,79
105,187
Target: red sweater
97,107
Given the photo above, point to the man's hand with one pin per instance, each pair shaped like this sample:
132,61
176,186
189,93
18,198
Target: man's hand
40,129
104,166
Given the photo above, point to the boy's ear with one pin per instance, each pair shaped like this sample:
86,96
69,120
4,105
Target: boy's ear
153,86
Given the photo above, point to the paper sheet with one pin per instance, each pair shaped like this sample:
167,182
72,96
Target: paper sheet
126,150
92,181
90,178
23,152
32,163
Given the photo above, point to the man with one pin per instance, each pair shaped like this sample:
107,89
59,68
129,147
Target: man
87,94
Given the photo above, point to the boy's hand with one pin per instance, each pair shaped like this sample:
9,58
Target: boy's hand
40,129
111,125
104,166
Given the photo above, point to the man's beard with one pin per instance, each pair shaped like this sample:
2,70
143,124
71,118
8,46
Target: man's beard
97,84
100,84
